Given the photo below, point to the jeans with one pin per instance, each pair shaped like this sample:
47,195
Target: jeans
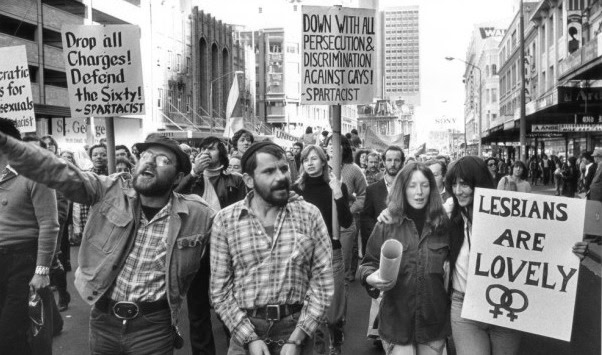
472,337
280,330
146,334
349,243
336,313
199,315
16,270
435,347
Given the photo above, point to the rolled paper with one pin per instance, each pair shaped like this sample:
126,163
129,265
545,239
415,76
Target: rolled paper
390,259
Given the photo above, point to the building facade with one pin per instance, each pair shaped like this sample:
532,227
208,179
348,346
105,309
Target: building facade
562,66
401,54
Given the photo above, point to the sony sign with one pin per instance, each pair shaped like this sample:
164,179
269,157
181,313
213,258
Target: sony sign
487,32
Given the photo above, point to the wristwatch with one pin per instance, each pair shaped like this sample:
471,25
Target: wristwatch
42,270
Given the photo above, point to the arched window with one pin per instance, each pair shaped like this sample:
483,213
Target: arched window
493,69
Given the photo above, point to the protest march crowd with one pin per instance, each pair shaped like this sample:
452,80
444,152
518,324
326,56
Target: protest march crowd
247,228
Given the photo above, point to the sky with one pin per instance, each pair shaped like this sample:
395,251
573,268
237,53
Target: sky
445,29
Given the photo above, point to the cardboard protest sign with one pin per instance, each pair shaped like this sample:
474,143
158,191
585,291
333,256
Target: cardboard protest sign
522,273
16,101
104,70
339,55
73,131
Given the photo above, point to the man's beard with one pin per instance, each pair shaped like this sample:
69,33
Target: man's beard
266,194
156,188
392,171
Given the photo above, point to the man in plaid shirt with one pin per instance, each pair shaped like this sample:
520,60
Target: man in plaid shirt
271,274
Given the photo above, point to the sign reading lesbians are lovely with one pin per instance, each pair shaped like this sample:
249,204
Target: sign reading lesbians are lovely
104,70
522,272
16,101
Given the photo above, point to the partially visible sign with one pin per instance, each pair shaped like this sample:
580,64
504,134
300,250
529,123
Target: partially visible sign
339,56
566,128
69,131
104,70
16,101
487,32
379,141
522,273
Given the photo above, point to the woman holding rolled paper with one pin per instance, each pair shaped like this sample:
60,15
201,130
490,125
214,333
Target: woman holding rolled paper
414,313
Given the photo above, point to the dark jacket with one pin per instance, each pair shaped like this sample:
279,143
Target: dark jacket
416,309
595,189
591,172
570,176
230,188
376,202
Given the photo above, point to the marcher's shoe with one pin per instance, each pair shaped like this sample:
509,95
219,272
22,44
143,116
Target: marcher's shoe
64,299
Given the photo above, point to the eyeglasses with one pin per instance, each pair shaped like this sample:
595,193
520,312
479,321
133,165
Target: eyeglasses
160,159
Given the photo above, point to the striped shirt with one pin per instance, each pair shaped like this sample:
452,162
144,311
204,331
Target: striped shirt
251,269
142,278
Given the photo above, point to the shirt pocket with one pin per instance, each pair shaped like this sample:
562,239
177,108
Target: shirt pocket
188,251
438,252
106,226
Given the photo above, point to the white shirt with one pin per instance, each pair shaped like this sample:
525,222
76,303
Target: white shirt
461,270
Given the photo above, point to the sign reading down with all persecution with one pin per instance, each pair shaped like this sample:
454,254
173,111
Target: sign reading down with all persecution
339,56
104,70
16,101
522,273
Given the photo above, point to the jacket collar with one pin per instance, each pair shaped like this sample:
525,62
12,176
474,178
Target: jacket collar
176,203
244,208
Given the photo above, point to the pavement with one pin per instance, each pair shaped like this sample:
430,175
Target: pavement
585,339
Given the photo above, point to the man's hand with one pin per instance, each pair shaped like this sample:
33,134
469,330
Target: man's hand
201,162
290,349
258,347
335,186
38,282
581,249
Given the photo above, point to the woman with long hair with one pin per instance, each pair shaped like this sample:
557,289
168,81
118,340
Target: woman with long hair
413,316
319,186
517,180
470,337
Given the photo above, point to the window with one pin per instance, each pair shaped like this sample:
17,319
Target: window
493,95
188,65
169,100
550,32
178,62
188,103
493,69
159,98
169,60
487,93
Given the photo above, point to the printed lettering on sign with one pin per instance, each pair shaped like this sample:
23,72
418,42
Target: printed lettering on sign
104,70
338,55
522,273
16,101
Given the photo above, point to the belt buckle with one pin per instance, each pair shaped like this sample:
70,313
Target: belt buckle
272,312
125,310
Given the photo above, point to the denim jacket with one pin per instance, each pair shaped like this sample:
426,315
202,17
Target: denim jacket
113,220
416,309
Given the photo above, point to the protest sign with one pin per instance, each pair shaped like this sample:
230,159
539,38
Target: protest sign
16,101
104,70
522,273
339,55
378,141
71,131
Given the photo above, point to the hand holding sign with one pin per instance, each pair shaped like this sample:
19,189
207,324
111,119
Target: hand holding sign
376,281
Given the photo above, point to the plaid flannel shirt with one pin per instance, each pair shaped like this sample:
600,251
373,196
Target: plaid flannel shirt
250,269
142,278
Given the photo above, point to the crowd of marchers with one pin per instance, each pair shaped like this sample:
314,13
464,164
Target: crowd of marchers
246,227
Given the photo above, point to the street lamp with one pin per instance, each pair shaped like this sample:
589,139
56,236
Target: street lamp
480,102
236,72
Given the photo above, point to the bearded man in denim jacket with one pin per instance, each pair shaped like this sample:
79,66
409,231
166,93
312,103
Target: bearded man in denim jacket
141,246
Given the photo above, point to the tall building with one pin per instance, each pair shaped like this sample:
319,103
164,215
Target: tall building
481,104
401,57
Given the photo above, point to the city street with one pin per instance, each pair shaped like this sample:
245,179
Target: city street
586,326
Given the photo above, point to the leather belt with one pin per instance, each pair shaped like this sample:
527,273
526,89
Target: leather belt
274,312
129,310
